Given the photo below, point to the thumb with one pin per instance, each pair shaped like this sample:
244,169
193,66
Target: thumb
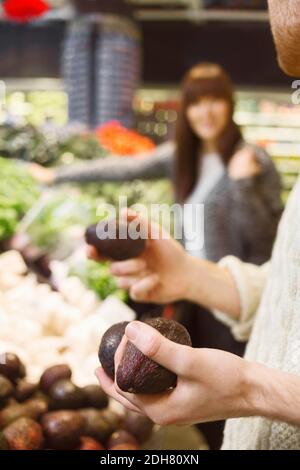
150,342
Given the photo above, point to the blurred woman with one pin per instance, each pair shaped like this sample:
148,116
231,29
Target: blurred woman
210,164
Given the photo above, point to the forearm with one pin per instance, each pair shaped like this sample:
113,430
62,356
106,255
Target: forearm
216,289
272,394
156,164
285,21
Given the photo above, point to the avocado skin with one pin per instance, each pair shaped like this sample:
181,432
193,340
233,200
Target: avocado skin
138,426
116,249
139,374
62,429
6,388
109,345
12,367
95,397
24,434
53,374
65,395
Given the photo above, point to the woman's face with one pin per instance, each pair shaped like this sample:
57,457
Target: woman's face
209,117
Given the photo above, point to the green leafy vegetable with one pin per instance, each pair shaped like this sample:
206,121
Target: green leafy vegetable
96,276
18,193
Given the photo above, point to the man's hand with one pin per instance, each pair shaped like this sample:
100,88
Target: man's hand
160,274
212,385
165,273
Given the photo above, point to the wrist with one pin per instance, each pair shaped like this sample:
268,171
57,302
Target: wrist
254,397
192,282
272,394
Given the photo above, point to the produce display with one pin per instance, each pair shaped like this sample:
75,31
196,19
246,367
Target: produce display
49,145
97,277
54,413
121,141
44,327
18,193
136,372
52,299
56,223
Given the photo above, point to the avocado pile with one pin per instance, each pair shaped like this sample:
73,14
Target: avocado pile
56,414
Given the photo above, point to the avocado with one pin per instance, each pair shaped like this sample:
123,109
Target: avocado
138,426
33,409
117,246
113,419
3,442
139,374
11,367
24,434
95,397
88,443
24,390
54,374
62,429
95,424
109,344
6,388
64,395
11,413
122,438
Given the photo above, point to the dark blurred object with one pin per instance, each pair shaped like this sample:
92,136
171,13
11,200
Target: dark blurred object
237,4
33,50
117,7
101,65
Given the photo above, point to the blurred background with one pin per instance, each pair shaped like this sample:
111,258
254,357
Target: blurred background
142,49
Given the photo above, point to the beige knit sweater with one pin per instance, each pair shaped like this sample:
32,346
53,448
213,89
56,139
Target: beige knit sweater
270,298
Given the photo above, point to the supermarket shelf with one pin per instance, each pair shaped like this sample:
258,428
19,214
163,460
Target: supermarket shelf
33,84
166,3
272,134
193,12
270,120
198,15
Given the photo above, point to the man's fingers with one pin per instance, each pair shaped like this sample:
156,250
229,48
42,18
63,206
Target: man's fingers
109,388
153,230
120,352
93,254
141,290
126,282
130,267
150,342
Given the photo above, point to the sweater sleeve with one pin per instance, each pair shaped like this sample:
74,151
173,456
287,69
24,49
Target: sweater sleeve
158,164
250,281
257,209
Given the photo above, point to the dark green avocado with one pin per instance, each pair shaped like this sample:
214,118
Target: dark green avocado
139,374
109,345
119,247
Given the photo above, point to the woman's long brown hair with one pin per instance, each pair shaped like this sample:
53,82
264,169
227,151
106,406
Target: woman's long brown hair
202,80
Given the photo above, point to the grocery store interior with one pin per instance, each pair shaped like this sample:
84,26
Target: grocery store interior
80,81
